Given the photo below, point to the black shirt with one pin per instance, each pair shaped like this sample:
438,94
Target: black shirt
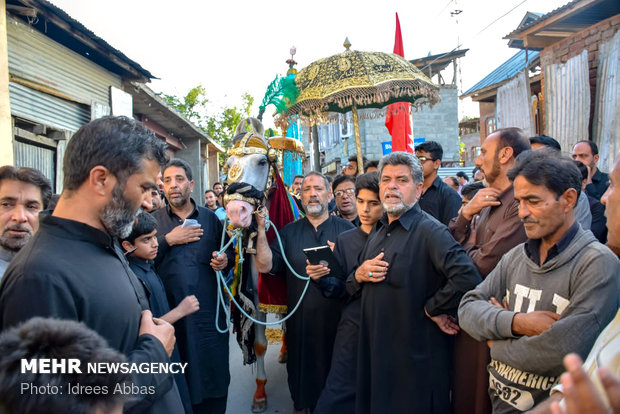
346,250
152,283
599,221
441,201
312,329
404,358
186,270
159,307
71,270
338,396
600,182
532,246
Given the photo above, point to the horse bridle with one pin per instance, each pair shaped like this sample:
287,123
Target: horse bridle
240,149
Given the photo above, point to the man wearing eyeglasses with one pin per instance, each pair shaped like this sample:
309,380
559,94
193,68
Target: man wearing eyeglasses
351,167
437,199
344,195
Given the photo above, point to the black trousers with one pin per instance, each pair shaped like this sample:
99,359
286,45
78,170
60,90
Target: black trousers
211,406
338,396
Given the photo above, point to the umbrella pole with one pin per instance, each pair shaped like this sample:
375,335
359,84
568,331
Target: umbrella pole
316,149
358,142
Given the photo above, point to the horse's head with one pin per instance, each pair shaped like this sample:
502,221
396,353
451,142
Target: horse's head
248,172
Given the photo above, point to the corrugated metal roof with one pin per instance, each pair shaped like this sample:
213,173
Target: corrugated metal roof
503,72
61,27
540,19
148,103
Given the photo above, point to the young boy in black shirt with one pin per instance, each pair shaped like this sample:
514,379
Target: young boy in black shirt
141,248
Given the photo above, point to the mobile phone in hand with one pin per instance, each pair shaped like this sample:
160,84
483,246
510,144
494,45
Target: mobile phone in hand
190,222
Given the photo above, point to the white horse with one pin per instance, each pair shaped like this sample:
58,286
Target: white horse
248,167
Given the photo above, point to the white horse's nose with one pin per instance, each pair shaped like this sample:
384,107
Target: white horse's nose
239,213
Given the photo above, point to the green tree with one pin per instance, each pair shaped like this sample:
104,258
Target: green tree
192,106
220,125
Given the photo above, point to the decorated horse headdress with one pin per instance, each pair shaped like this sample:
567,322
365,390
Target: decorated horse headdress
248,178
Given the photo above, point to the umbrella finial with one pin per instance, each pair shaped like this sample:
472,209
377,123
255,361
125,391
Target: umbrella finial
346,43
291,62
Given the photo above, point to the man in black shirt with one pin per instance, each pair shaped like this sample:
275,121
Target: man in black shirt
312,329
437,199
186,262
587,153
412,277
344,195
338,396
597,209
74,269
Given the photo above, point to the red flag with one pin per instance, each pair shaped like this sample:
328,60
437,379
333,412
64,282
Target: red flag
397,118
398,40
272,296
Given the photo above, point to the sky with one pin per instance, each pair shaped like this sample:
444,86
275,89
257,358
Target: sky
233,47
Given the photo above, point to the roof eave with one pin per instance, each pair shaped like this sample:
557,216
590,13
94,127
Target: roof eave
527,33
153,98
76,30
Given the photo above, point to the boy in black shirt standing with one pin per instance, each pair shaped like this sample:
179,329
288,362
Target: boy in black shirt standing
141,248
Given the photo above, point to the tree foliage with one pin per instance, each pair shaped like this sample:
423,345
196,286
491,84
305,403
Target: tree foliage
219,125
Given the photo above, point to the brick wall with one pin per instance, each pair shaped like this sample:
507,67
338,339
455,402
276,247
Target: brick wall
471,141
487,111
588,39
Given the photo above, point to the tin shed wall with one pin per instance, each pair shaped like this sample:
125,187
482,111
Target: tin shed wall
567,100
606,128
41,63
513,105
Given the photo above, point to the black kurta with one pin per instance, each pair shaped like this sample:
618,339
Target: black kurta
404,358
312,329
70,270
186,270
441,201
158,303
599,184
153,285
338,396
599,221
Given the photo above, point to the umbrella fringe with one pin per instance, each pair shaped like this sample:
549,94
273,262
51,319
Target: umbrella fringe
316,111
334,117
365,97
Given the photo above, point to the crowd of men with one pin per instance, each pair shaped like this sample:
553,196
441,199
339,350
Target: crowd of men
450,297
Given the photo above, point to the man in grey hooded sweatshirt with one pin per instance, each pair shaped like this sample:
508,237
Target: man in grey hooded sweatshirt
547,297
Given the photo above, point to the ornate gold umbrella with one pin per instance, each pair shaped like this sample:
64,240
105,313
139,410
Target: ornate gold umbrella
287,144
353,79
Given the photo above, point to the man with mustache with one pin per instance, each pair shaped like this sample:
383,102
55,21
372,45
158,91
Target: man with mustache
73,267
587,153
497,230
24,192
312,329
187,261
487,227
549,296
411,279
344,195
338,396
